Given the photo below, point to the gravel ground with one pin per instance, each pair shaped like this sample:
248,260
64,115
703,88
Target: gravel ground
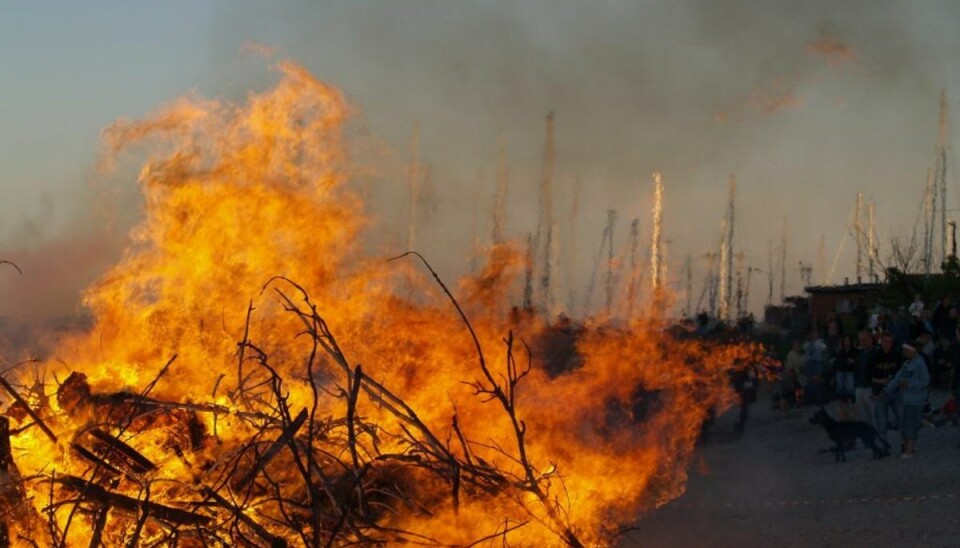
772,488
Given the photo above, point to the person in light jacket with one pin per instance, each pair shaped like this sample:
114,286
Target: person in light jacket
793,377
910,386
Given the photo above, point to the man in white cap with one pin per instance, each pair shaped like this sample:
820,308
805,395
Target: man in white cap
910,386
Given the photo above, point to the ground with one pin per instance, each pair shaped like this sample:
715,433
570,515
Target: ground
772,488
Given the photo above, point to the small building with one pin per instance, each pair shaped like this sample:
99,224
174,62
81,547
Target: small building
844,300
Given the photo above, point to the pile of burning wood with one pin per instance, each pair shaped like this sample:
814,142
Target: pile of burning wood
293,442
298,478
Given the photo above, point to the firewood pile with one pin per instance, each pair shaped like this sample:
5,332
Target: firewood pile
301,478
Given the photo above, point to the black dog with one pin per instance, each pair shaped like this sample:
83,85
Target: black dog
845,435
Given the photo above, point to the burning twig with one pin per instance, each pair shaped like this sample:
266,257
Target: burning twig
139,463
285,438
14,265
357,471
241,350
146,391
99,522
26,407
95,493
507,528
95,460
506,396
275,542
144,513
439,459
376,391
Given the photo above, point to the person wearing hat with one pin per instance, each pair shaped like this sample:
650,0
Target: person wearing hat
910,386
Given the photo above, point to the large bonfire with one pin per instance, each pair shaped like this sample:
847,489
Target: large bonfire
252,379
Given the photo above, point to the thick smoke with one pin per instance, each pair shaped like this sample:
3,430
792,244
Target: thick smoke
798,101
807,103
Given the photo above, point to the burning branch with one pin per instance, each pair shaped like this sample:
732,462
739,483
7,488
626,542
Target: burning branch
145,508
506,395
26,408
13,264
427,451
297,477
274,448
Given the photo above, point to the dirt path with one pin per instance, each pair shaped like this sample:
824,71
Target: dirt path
773,488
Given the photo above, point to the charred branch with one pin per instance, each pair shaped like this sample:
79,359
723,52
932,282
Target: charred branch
506,396
97,494
29,410
118,449
272,451
13,264
238,514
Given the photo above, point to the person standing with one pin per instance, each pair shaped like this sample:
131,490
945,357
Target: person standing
884,366
844,382
944,318
816,355
941,370
794,378
909,386
745,384
863,395
834,333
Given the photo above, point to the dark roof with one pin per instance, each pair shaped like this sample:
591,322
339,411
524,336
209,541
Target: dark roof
848,288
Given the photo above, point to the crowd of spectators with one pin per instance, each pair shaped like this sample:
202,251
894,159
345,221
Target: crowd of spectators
881,367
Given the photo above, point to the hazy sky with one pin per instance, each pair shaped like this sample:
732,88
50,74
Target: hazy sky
806,102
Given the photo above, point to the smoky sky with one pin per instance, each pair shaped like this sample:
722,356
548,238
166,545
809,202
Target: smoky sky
807,103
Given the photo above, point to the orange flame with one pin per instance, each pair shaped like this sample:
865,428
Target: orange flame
236,194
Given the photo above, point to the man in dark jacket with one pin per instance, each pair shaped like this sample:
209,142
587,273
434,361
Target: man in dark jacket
863,395
884,366
942,367
745,383
942,320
